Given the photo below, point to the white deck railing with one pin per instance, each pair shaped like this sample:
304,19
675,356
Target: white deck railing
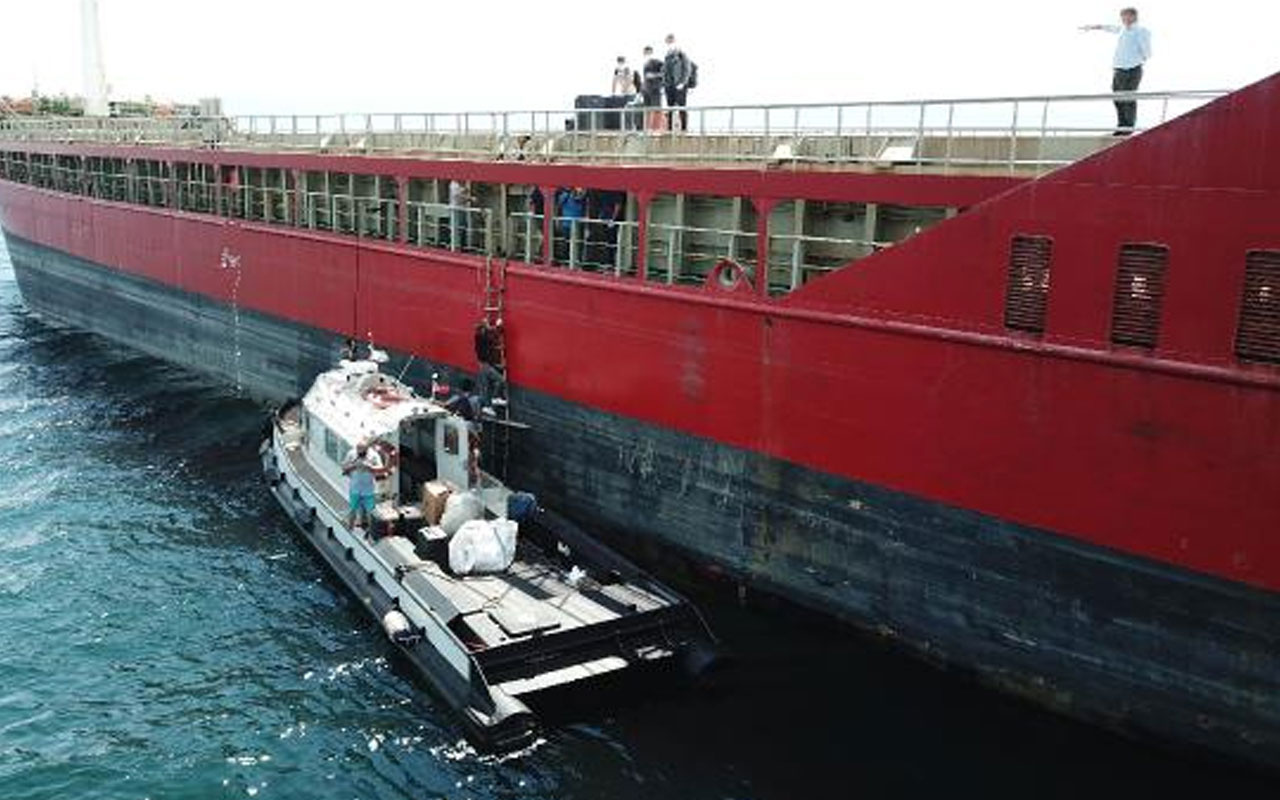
1015,132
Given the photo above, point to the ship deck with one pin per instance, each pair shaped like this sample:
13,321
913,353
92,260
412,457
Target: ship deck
1025,135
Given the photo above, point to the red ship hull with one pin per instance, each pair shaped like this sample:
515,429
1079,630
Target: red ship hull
1084,522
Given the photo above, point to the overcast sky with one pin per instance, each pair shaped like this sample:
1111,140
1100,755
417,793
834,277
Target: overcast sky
293,56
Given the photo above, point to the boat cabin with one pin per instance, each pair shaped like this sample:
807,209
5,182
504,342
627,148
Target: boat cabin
418,439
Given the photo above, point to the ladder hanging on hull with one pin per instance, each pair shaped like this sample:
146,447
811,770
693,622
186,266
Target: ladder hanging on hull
496,412
495,289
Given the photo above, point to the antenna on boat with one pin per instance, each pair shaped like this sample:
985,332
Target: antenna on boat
407,364
95,81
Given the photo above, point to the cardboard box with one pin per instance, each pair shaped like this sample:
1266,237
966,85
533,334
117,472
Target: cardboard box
434,495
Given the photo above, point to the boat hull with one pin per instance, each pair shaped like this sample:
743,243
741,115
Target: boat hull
1096,633
506,725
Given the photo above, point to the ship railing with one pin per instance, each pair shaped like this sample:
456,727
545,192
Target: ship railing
676,253
459,228
687,253
1014,133
1027,132
796,258
588,243
681,254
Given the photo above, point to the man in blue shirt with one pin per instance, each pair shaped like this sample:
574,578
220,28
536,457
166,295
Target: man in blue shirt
571,207
1133,48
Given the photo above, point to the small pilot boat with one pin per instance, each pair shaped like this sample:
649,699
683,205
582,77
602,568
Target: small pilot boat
491,597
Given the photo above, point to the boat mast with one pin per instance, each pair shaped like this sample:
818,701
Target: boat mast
95,82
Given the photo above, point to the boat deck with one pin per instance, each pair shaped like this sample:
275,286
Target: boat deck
533,597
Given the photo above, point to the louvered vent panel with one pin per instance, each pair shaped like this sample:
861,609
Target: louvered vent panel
1028,291
1135,315
1258,335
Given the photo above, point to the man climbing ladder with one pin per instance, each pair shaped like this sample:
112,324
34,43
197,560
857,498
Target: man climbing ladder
489,353
490,344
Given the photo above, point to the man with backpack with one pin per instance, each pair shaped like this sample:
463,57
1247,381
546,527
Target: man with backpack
679,75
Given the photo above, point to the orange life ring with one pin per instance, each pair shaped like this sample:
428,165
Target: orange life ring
729,276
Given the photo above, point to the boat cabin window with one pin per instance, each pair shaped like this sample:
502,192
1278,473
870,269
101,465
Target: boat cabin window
451,440
332,446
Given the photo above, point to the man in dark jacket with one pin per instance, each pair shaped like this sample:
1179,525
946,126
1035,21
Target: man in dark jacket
492,360
675,76
650,76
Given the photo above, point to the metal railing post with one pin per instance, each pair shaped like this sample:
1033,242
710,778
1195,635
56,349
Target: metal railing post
1013,138
573,243
951,133
1044,132
796,261
671,255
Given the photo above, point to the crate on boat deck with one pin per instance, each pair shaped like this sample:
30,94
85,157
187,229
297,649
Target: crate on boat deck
434,495
431,542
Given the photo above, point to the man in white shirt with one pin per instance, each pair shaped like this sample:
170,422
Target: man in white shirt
623,80
1133,48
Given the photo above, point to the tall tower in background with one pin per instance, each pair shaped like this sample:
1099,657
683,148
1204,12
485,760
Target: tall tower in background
95,81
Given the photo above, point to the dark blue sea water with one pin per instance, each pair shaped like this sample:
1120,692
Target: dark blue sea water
164,634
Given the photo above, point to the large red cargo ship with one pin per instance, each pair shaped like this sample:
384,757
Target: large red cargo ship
1007,392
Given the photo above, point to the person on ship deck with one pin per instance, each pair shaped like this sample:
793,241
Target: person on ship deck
651,90
571,208
623,79
1133,49
677,76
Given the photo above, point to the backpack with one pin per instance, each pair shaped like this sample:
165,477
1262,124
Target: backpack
692,82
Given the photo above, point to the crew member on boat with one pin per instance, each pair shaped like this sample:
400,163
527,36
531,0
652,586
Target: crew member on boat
362,464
